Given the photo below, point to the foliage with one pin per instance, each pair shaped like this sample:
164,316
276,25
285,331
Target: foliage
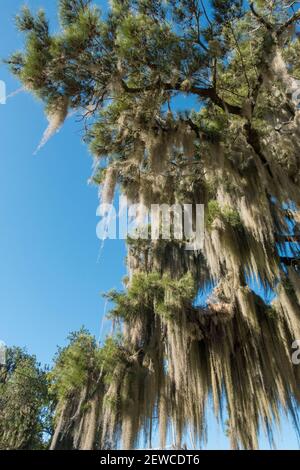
146,289
25,404
74,363
231,216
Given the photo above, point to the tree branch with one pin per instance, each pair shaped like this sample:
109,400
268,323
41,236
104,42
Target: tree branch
209,93
261,19
269,25
289,22
242,58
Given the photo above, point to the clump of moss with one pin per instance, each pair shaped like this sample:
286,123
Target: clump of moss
232,217
228,214
213,211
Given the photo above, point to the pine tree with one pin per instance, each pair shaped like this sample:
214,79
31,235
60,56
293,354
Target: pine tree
237,153
25,405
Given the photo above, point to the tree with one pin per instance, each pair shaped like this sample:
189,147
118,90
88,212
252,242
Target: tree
25,409
79,377
238,153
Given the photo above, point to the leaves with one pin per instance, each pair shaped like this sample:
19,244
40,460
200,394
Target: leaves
25,406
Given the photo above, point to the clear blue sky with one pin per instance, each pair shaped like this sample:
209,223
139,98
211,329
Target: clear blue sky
50,280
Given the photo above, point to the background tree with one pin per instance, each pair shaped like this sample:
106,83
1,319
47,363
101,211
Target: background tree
238,153
25,409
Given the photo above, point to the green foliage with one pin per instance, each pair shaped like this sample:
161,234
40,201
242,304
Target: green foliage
110,356
228,214
25,403
99,176
81,30
212,124
213,212
178,296
26,22
139,298
149,292
139,34
73,364
82,362
70,9
31,67
232,217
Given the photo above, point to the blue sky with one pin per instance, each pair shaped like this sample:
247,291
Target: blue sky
50,280
50,276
